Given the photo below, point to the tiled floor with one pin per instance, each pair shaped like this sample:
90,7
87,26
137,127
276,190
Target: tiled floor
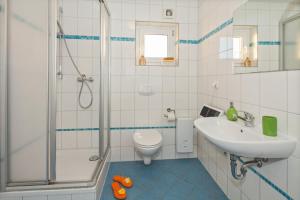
184,179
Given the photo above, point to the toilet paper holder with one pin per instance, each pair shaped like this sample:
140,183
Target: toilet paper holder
169,110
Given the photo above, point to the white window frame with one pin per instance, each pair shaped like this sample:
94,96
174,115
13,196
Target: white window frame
157,28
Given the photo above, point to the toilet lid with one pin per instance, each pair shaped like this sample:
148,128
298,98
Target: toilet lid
147,137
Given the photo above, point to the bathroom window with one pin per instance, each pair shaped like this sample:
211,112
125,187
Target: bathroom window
156,44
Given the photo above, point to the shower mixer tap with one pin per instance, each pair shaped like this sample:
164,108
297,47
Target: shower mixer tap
84,78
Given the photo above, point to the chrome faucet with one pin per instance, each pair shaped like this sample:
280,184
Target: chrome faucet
248,119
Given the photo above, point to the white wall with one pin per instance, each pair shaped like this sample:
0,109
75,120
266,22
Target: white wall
274,93
175,87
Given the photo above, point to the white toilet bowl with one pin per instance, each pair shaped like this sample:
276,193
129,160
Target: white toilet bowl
147,143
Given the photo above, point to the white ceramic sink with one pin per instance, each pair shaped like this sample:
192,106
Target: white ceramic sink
237,139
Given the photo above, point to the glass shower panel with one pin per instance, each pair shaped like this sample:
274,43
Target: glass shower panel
27,91
105,80
3,173
78,91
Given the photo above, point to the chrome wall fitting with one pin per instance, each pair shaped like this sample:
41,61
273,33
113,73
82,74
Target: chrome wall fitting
84,78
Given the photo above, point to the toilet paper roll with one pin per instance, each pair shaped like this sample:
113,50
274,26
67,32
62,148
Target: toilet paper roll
171,116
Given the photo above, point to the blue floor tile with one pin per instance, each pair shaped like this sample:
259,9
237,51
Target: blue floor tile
165,180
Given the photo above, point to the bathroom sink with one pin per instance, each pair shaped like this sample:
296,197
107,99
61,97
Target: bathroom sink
237,139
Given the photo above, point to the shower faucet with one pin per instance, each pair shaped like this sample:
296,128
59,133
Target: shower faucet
83,78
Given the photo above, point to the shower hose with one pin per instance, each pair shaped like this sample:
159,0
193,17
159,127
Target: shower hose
82,77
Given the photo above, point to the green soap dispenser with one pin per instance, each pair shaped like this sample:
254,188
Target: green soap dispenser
232,113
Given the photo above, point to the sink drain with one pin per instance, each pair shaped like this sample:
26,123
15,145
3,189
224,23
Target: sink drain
94,158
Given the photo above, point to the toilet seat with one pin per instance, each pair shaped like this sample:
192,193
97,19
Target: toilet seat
147,138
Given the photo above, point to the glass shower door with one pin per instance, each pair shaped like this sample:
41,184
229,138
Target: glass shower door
78,91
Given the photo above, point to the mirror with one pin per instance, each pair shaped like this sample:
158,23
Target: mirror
266,36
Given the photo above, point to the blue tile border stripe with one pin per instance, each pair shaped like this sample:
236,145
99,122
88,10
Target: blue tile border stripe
187,41
195,42
90,37
268,43
80,37
76,129
119,39
123,39
270,183
216,30
116,128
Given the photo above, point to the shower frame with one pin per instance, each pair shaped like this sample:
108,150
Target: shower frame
51,113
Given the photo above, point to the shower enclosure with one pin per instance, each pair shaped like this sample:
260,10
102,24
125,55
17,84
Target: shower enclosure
55,90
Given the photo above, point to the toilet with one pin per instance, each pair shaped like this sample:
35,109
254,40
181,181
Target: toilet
147,143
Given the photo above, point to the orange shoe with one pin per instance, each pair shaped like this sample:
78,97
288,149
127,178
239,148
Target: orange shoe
119,192
125,181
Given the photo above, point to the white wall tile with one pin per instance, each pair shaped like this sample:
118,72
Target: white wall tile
168,137
277,172
127,118
85,9
70,8
116,9
115,154
11,198
294,177
69,140
126,138
127,101
222,180
127,153
293,92
84,196
59,197
266,192
115,139
168,152
250,88
234,88
182,84
84,119
128,11
155,117
37,197
271,83
251,186
142,12
294,131
84,139
234,191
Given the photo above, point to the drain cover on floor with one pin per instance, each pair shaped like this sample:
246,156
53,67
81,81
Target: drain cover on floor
94,158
